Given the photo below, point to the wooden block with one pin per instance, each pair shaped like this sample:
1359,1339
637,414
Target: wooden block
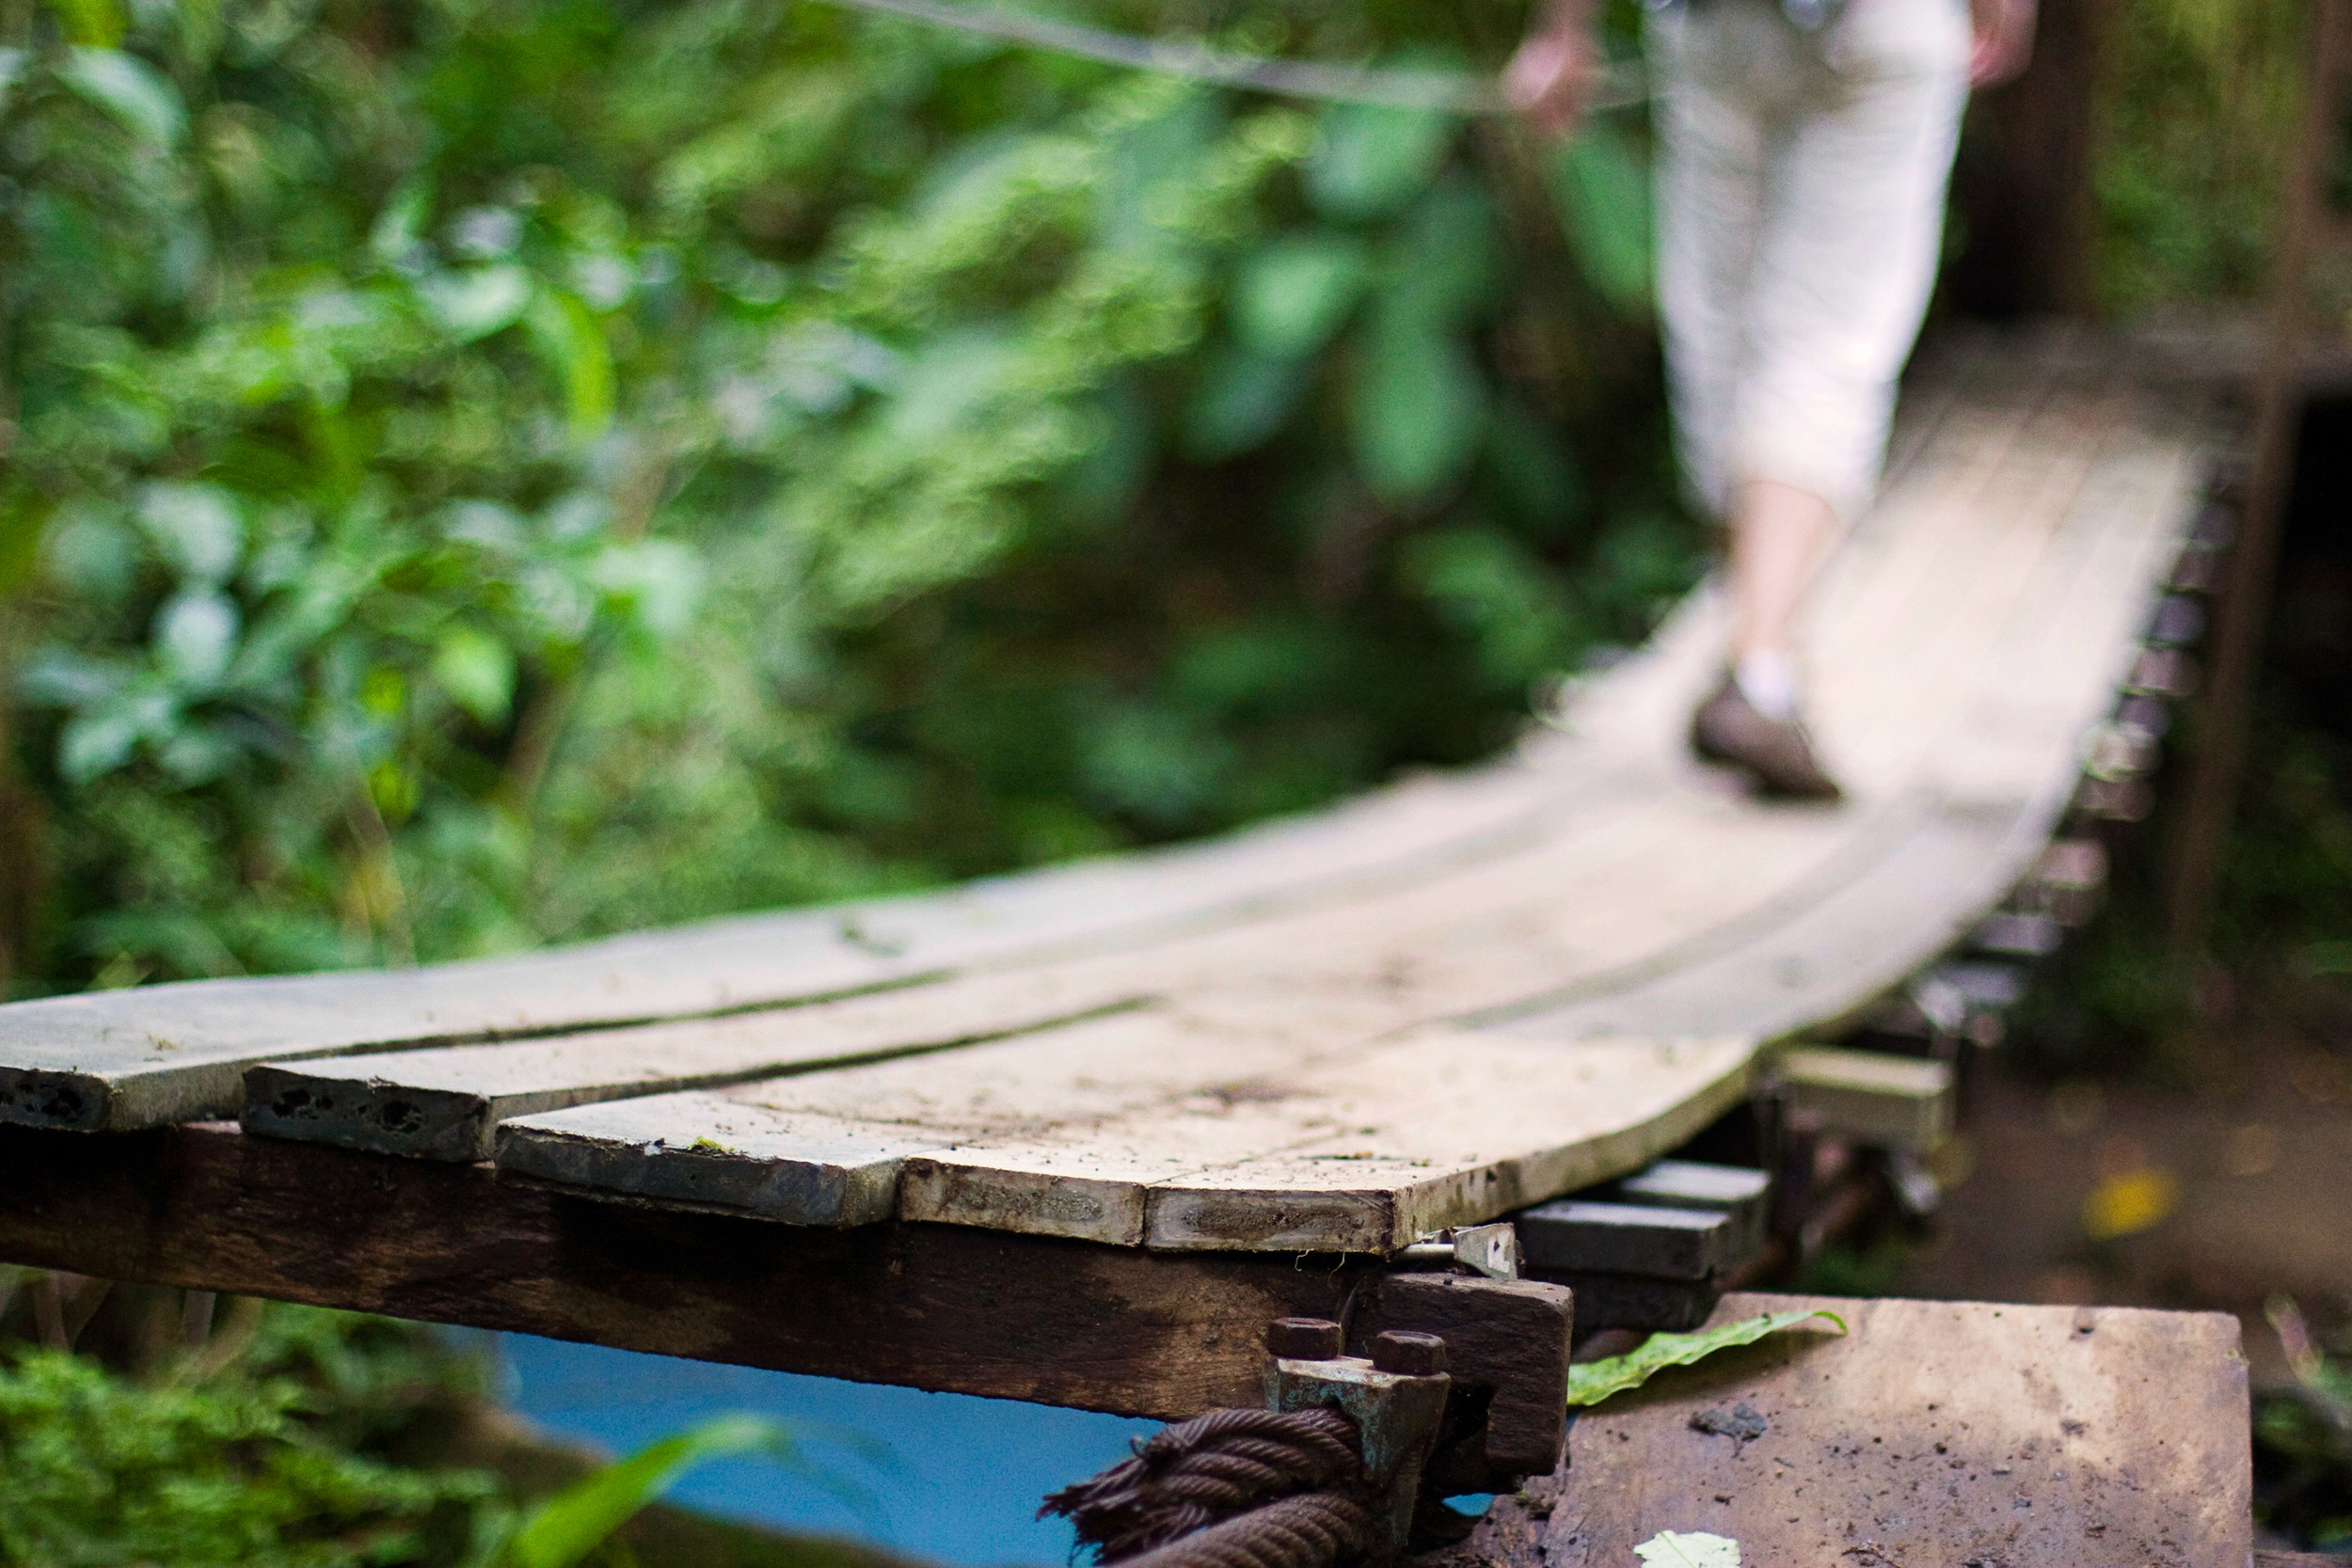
1507,1341
2017,935
1635,1301
1623,1238
1743,1194
1891,1101
1934,1432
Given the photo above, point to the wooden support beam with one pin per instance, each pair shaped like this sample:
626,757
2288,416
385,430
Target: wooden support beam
1891,1101
936,1306
2201,832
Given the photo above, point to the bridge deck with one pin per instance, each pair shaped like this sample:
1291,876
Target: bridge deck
1426,1007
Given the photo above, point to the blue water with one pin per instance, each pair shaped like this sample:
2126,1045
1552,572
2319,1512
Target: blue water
961,1487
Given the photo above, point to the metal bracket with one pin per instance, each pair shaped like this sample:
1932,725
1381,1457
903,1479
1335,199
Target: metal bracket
1396,1398
1489,1251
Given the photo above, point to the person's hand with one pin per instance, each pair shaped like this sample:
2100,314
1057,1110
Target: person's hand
1552,74
2003,30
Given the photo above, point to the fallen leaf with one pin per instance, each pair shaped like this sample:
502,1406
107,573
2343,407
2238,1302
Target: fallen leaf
1667,1549
1595,1381
2133,1201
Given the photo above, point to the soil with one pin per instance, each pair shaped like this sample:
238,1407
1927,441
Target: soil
2259,1159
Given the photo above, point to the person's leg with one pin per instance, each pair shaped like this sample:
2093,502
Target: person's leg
1845,260
1780,535
1845,265
1715,146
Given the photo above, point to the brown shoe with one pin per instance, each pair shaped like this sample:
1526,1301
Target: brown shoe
1776,754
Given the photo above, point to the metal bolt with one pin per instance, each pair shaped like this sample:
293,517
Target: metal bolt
1412,1355
1303,1339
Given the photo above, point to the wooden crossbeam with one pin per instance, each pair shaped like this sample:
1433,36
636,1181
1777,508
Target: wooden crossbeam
933,1307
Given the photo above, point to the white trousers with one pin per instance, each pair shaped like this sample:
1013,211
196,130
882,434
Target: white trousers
1801,210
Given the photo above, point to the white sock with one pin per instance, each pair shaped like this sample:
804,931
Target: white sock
1767,679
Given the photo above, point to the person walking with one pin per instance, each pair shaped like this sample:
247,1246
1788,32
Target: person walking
1805,151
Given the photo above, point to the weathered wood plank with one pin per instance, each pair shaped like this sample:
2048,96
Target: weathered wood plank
1169,1131
926,1307
1930,1432
1451,1127
1427,943
161,1053
444,1104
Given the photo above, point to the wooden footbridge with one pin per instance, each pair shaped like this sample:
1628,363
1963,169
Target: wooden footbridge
1078,1136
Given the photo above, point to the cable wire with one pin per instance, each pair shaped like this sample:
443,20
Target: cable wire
1442,92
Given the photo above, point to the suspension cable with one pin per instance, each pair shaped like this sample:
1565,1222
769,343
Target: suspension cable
1441,91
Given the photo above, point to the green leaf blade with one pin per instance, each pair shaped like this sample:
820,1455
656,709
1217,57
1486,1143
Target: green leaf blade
1595,1381
574,1522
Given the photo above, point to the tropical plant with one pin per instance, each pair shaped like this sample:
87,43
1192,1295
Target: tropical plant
481,472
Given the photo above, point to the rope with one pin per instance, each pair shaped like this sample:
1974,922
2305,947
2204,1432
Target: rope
1228,1489
1313,1529
1443,91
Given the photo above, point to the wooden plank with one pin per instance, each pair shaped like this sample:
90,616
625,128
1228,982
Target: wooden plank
162,1053
1451,1127
1133,1130
1930,1432
927,1307
1983,810
444,1105
441,1102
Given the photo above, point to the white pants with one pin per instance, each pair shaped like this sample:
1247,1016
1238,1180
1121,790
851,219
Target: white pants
1801,210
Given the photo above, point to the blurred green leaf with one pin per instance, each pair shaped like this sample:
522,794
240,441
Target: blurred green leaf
1602,188
1441,268
572,342
95,24
127,88
196,636
25,517
13,64
1289,297
481,300
1240,402
1370,160
1516,609
478,672
195,526
575,1522
1416,410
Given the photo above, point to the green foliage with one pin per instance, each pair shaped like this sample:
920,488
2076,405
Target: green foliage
100,1473
569,1526
271,1458
2303,1442
2198,111
292,1435
486,473
1592,1381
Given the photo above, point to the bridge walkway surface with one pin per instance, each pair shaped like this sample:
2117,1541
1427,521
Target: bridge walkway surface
1077,1136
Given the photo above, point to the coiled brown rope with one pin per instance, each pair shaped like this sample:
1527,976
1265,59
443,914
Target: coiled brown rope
1311,1529
1229,1489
